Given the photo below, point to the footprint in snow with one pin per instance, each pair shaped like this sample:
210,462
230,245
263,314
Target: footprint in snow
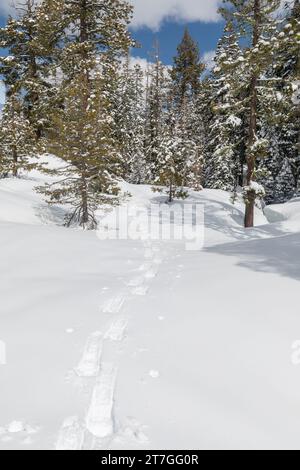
16,428
151,274
140,291
114,305
135,282
69,331
154,374
133,431
117,330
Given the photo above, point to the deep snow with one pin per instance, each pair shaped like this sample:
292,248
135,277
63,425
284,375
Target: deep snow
136,344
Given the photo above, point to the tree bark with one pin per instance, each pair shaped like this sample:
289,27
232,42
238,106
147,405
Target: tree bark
171,192
84,204
15,163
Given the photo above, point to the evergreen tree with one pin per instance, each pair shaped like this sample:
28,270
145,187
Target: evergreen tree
284,187
177,156
222,153
186,85
288,68
175,166
96,35
280,126
31,39
156,107
128,99
17,140
83,139
187,70
253,20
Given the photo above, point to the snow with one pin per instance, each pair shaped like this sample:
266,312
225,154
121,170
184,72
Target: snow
256,188
170,349
234,121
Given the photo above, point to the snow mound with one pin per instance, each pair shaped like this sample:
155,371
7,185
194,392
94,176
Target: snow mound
19,202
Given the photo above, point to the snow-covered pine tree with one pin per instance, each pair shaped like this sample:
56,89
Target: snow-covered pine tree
186,71
224,133
31,39
279,125
284,187
96,35
186,85
18,144
138,170
83,139
191,133
255,22
288,70
176,157
274,171
173,169
128,98
204,115
156,106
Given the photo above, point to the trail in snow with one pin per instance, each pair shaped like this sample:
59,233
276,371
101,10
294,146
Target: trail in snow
99,419
115,304
117,329
90,361
135,282
71,435
141,290
151,273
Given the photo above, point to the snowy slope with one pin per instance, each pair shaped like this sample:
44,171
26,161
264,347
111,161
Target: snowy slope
131,344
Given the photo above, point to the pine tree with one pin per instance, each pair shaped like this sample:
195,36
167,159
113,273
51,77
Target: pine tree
188,130
280,126
156,107
187,70
138,167
288,68
185,89
254,20
18,145
176,158
83,140
128,98
284,187
174,167
31,39
96,35
222,152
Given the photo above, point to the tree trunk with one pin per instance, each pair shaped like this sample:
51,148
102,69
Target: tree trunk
15,163
249,213
171,192
84,220
250,203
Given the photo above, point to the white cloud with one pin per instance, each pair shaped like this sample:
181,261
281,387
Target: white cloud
143,63
152,13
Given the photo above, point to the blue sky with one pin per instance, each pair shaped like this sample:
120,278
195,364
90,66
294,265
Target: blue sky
170,34
165,20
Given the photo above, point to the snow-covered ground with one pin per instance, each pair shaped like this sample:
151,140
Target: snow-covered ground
142,344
